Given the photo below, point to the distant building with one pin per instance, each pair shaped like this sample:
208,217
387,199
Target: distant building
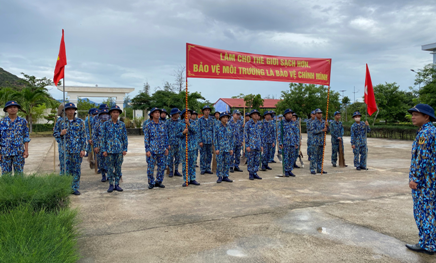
224,104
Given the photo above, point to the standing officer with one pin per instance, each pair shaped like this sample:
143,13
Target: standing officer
14,140
238,132
97,136
422,178
297,127
269,139
191,147
337,132
114,147
358,141
273,149
224,145
73,129
172,126
288,141
309,135
253,144
318,127
206,128
194,117
89,120
163,115
156,148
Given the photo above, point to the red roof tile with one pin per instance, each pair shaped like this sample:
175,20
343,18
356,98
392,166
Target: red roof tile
267,103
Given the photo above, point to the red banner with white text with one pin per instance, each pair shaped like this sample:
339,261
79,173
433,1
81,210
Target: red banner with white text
206,62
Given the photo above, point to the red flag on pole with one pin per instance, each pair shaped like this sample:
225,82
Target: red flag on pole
61,62
369,94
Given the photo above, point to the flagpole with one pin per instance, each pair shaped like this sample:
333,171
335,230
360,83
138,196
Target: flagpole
366,136
64,139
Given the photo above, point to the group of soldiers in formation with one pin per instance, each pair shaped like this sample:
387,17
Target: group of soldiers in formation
182,136
167,141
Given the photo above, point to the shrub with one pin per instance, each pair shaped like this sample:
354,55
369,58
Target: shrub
48,192
138,122
27,235
42,127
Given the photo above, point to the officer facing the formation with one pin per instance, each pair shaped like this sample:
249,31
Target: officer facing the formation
238,132
288,142
14,140
269,139
97,139
189,127
309,135
358,141
253,144
73,131
174,155
163,114
297,126
88,129
317,127
337,132
114,147
156,148
206,127
422,178
224,145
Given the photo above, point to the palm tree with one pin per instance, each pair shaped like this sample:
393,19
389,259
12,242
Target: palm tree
30,97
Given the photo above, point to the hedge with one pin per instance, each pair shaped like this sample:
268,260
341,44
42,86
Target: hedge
379,131
36,224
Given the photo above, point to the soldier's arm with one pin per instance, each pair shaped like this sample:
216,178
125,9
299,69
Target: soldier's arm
125,139
82,137
146,138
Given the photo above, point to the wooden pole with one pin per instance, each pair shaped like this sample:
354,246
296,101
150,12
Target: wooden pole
186,138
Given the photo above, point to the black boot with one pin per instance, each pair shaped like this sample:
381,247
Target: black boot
418,248
237,169
231,169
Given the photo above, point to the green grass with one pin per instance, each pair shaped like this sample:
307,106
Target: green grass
49,192
27,235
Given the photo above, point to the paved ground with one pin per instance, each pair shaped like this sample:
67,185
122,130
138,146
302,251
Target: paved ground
344,216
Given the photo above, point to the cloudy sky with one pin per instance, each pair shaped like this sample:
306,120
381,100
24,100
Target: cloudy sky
125,43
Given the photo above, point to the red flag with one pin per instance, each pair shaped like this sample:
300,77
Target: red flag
369,94
61,62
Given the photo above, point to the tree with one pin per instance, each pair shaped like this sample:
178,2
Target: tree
392,102
141,101
85,105
180,80
304,98
240,96
253,101
146,88
345,100
110,102
29,98
34,83
426,79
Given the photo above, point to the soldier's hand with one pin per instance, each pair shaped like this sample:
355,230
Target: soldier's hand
231,152
185,131
366,122
201,144
324,130
353,146
261,149
64,131
90,141
217,152
327,124
187,121
166,152
413,185
281,146
273,145
248,149
339,138
105,154
148,154
124,152
82,153
169,147
296,146
25,154
96,150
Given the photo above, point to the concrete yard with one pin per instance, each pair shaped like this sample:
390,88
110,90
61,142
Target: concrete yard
343,216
